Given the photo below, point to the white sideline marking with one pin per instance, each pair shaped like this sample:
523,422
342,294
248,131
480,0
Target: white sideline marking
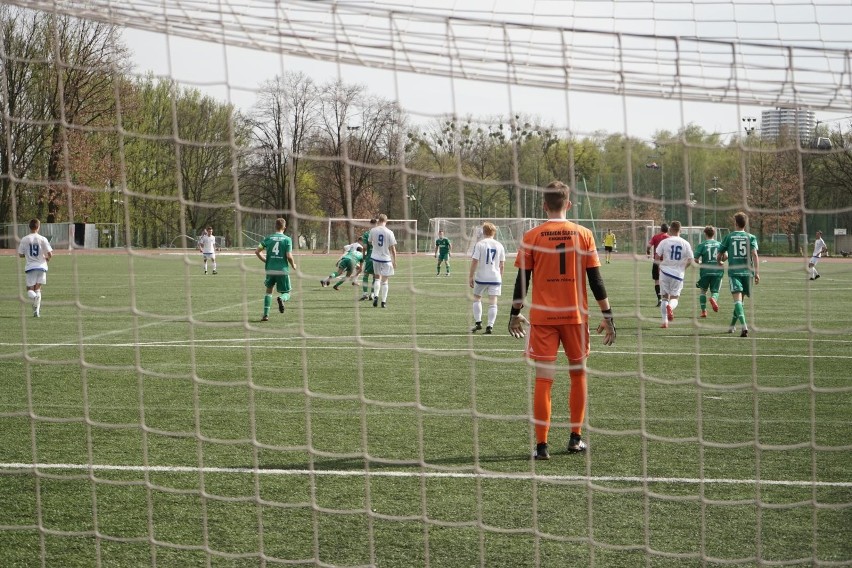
428,474
240,343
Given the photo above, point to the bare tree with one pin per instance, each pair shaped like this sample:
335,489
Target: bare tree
23,135
282,121
84,60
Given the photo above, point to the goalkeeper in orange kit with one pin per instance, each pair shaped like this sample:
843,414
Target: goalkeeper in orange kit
559,257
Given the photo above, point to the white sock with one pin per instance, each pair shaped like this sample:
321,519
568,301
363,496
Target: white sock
377,286
38,300
663,305
673,303
477,310
385,289
492,314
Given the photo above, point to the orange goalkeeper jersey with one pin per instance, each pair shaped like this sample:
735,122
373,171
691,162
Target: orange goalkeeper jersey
558,252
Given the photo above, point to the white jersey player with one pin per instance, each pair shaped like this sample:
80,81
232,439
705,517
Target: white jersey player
486,276
673,254
208,248
819,249
383,243
37,251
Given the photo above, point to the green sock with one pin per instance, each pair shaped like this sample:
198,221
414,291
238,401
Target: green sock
285,297
702,301
267,303
364,281
739,313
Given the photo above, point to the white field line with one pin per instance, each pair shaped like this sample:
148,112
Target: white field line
421,474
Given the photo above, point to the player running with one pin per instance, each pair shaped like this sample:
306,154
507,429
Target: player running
674,255
710,274
740,248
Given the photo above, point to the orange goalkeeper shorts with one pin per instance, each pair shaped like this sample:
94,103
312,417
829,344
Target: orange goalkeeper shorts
544,340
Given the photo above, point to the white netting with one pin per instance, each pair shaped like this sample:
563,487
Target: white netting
157,414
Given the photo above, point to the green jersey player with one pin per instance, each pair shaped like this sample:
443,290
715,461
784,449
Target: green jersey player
348,266
366,285
710,274
278,260
740,249
443,246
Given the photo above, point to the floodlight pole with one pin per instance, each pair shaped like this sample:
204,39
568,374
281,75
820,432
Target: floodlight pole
715,189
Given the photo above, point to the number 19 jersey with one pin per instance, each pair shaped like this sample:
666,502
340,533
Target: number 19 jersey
558,252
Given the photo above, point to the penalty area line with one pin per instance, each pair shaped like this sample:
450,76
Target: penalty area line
428,474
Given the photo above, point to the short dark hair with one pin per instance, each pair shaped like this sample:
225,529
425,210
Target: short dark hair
674,227
556,195
664,228
34,224
709,231
741,220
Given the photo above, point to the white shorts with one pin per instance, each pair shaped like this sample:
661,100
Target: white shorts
487,289
670,286
383,268
36,277
814,260
208,254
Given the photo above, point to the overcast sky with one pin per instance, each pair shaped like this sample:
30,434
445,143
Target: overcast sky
231,73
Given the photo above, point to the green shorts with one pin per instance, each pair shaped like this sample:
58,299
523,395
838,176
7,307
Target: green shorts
443,257
347,265
279,281
710,280
740,283
368,266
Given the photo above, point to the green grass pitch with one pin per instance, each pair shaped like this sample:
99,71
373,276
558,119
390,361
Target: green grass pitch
172,428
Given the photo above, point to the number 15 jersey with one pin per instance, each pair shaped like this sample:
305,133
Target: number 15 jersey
558,252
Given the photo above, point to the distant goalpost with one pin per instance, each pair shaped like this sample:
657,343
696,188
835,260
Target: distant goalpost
631,234
340,231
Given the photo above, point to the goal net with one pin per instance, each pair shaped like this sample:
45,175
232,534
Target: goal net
263,402
339,232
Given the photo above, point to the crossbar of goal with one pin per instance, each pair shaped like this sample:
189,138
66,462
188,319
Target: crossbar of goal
631,234
340,231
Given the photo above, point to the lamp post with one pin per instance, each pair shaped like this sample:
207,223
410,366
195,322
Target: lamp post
715,189
749,127
659,166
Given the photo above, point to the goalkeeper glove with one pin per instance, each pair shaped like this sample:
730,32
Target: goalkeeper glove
607,326
517,325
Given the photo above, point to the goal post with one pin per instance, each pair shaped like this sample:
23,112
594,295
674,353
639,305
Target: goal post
340,231
631,234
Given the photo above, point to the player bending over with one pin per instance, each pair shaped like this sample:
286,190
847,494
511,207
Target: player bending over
348,267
